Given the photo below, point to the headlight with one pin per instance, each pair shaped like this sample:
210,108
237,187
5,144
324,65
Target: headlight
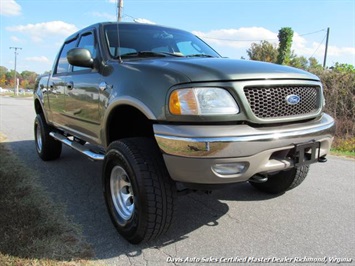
202,101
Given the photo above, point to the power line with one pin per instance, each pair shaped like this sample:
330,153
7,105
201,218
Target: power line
313,32
319,45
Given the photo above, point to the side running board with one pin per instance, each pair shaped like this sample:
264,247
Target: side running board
78,147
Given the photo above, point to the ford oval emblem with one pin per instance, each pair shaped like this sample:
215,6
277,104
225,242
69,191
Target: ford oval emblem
293,99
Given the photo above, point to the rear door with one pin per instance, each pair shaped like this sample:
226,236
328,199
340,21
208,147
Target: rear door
57,85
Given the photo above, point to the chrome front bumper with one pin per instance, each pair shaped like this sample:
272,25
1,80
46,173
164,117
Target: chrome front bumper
191,151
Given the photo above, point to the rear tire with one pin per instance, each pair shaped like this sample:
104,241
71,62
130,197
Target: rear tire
138,190
283,181
47,148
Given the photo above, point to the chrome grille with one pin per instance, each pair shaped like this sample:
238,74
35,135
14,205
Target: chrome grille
271,102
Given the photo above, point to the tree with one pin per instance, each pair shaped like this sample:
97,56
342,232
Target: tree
28,79
314,64
346,68
3,71
298,61
264,51
10,76
285,42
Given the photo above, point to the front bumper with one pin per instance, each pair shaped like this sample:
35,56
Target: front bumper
190,152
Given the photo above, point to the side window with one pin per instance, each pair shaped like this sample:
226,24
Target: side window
87,41
63,64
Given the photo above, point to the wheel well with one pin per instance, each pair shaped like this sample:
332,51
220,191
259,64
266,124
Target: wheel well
38,107
127,121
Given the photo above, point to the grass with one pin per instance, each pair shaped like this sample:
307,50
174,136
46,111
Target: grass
33,229
344,147
348,154
20,95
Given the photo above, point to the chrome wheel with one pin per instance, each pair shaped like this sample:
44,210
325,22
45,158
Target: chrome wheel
122,194
38,138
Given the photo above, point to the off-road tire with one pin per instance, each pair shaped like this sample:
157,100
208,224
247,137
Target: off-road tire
135,177
283,181
47,148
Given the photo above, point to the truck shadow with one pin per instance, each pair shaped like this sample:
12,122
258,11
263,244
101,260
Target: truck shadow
75,182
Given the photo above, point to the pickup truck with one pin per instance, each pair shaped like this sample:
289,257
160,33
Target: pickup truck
167,114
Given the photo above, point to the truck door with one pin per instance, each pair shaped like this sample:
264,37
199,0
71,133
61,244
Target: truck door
82,94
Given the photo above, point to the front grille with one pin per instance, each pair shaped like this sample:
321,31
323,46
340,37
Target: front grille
271,102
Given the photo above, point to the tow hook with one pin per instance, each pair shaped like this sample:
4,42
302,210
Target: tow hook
322,159
258,179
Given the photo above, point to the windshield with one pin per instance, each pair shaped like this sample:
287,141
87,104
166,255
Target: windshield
143,40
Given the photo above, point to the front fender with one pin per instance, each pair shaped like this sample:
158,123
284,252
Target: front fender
120,102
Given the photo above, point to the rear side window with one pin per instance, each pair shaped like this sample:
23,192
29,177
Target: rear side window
63,65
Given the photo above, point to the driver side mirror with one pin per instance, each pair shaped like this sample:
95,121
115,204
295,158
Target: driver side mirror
80,57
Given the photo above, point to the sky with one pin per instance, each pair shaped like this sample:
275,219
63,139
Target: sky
39,27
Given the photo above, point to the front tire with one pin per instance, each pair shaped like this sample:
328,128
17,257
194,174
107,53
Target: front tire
139,193
283,181
47,148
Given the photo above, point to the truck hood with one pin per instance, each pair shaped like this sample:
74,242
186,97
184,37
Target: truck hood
223,69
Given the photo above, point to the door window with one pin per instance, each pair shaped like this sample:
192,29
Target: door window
63,65
87,41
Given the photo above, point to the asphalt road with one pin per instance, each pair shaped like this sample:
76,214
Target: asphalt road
314,221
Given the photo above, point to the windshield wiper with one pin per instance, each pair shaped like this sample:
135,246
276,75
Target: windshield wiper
149,54
173,54
200,55
143,54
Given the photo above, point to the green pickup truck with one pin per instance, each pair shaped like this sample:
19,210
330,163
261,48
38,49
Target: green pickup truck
167,115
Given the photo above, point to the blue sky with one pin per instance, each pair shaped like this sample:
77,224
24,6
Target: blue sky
40,26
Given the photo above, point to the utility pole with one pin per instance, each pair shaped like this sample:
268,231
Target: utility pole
326,48
119,8
15,79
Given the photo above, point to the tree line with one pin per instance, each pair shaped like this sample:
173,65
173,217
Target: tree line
26,78
283,55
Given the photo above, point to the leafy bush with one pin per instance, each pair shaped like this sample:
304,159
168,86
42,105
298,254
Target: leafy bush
345,145
339,91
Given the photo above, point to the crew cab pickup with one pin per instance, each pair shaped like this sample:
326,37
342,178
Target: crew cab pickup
166,113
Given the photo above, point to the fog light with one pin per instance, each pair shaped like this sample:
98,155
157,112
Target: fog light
230,168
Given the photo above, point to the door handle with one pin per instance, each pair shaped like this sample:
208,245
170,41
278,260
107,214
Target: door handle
70,85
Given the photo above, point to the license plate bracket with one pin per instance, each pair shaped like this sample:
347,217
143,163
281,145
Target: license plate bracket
306,153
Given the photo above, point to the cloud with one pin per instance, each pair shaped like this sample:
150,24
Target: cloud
15,39
303,48
10,8
143,20
41,59
40,31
